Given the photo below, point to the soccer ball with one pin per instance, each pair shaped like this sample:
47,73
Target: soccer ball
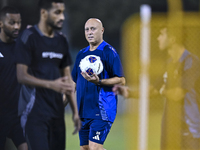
91,64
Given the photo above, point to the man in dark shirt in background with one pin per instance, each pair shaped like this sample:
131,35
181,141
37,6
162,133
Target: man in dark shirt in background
43,62
10,24
180,88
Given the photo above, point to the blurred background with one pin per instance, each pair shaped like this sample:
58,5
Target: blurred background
121,20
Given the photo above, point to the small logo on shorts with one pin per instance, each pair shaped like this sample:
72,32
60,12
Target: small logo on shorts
97,136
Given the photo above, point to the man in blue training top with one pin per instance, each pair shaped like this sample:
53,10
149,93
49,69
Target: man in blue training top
97,104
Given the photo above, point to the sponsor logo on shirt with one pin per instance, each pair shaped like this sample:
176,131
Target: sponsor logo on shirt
52,55
1,55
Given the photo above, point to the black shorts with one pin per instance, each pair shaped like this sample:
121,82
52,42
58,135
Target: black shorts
10,127
45,133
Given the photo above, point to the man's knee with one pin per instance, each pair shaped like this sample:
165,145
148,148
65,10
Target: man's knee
95,146
23,146
84,147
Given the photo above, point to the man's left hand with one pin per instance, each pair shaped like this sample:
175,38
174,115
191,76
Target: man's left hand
77,124
93,78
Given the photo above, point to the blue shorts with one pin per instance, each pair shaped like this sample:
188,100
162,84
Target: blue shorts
94,130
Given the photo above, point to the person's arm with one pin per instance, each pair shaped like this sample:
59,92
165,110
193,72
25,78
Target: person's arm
186,82
106,82
57,85
71,100
126,91
121,90
113,81
65,100
174,94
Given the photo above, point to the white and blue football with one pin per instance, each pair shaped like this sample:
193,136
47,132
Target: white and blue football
91,64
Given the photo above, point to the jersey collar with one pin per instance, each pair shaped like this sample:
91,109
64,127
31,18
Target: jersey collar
100,47
38,30
41,34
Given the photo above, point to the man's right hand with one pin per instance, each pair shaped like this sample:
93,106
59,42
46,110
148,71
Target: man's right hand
60,85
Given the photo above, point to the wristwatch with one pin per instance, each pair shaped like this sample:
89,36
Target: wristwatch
99,83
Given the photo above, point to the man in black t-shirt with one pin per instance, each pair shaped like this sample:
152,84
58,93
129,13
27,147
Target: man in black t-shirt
43,63
10,23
